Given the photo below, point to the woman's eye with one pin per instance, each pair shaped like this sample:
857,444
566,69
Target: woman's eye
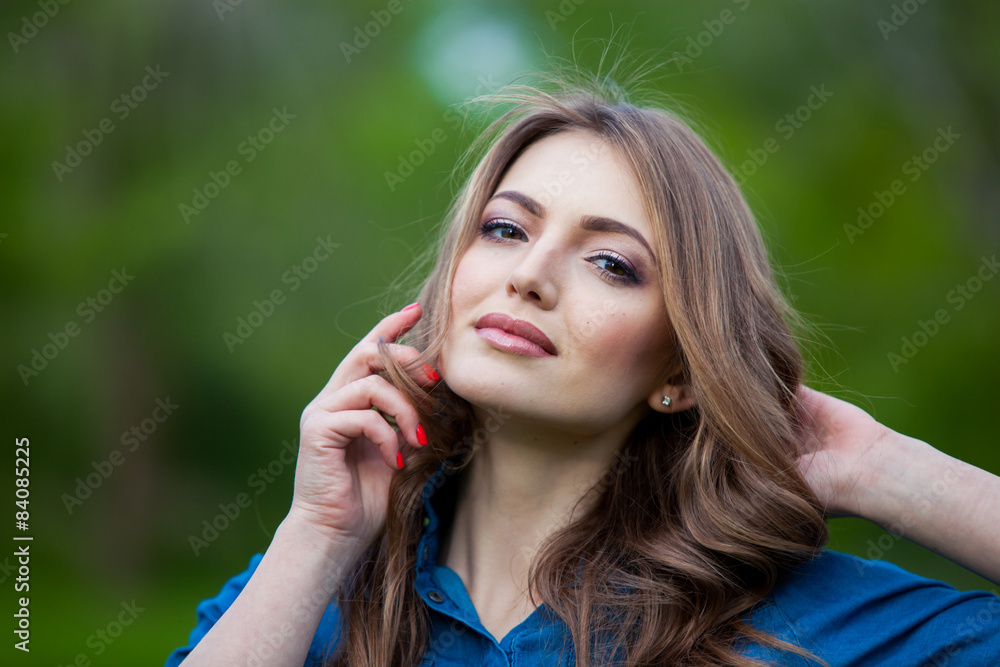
616,270
614,267
488,231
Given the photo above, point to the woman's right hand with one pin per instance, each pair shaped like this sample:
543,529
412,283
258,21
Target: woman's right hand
347,450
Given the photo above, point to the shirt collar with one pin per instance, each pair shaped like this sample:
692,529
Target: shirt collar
442,589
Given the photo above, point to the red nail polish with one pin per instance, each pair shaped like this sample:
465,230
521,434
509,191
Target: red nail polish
399,459
421,434
432,374
412,305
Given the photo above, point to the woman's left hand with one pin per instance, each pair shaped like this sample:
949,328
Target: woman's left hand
840,444
859,467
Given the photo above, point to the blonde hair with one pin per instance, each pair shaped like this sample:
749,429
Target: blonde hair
726,512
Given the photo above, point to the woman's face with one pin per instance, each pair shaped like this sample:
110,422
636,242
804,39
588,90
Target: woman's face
566,246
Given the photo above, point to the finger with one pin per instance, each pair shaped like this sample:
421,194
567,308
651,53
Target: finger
376,392
404,354
339,429
365,360
394,325
806,428
808,405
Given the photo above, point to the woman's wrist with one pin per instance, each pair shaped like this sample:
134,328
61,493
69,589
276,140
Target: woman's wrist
297,528
905,481
939,502
276,615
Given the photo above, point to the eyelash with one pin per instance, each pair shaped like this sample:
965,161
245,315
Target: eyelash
629,277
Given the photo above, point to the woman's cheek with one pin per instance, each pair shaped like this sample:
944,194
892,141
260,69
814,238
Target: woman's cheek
484,266
605,336
467,285
617,342
603,315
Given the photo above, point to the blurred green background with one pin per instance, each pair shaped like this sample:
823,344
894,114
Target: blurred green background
203,81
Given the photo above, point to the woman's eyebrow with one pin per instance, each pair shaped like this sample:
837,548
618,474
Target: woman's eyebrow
592,223
524,201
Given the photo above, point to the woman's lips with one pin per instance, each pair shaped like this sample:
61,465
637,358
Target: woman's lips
517,329
511,343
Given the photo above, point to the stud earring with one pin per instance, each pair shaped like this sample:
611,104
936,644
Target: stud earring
666,401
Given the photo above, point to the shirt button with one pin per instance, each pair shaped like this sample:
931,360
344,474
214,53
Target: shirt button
427,520
434,595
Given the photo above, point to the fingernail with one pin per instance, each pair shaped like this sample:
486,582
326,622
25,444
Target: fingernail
421,434
432,374
412,305
399,459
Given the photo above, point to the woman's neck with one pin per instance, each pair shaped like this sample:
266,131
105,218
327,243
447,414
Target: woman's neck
519,488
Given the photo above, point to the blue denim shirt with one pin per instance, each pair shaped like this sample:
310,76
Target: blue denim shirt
850,611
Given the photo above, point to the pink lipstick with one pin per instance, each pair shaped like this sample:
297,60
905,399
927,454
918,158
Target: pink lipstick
517,336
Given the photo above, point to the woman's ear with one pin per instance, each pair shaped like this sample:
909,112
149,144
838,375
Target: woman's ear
679,395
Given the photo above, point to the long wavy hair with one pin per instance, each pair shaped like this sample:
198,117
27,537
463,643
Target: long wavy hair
725,511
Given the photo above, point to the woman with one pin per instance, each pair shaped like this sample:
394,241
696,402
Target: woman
596,448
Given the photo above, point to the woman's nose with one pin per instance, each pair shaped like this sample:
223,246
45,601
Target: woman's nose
533,277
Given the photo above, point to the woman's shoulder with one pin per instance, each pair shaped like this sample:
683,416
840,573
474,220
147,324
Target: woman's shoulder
210,610
857,611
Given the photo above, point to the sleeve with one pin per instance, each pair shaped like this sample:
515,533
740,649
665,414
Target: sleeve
209,611
853,611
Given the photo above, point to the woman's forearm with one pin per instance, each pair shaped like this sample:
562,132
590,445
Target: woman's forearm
939,502
273,620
